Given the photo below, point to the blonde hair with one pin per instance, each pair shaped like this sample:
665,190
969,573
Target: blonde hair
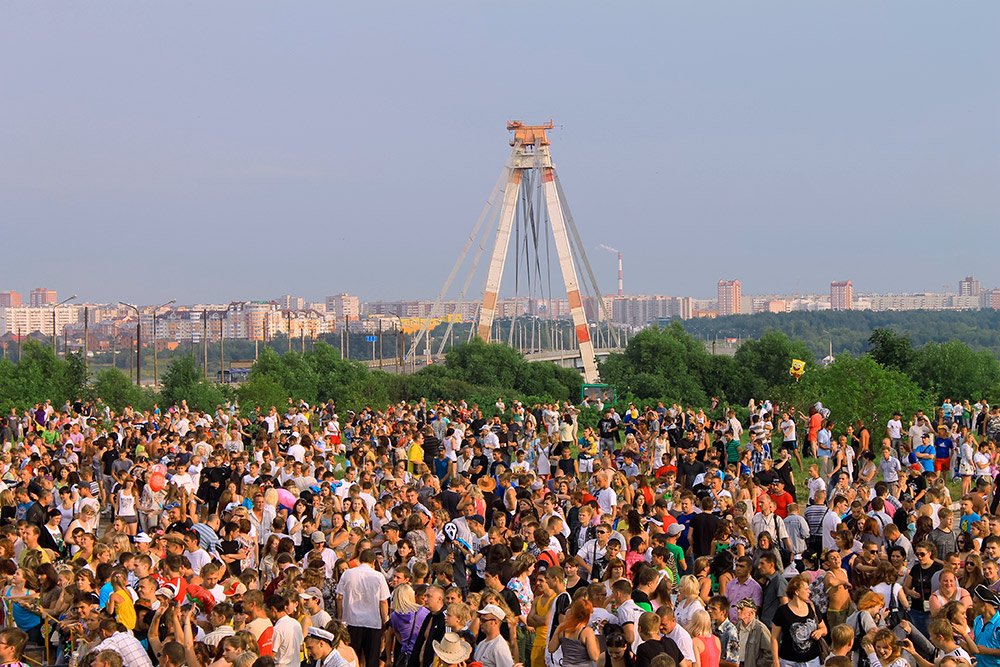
689,587
403,600
700,624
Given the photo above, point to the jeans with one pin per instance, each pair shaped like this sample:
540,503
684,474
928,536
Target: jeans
788,663
919,620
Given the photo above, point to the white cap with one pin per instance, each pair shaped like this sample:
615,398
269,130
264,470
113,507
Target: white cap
493,610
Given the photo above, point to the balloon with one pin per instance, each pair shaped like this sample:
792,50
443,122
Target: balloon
157,481
160,468
286,499
797,369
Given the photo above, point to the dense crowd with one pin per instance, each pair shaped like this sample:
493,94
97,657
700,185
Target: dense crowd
425,535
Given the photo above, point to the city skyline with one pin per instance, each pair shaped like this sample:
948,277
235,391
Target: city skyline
287,148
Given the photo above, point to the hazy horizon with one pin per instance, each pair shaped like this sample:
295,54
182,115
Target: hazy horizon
236,151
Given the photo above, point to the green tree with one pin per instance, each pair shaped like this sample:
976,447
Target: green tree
855,388
891,350
485,364
179,379
769,358
117,390
657,363
262,392
954,370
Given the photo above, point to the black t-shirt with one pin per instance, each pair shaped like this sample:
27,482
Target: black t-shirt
568,466
916,485
795,643
703,526
651,648
107,458
688,470
229,547
180,526
766,477
606,428
479,460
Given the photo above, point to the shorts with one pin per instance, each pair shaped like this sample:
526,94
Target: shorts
133,519
790,445
586,464
942,464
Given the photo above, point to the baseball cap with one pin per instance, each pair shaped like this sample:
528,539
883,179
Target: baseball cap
675,529
478,518
233,587
311,592
318,536
497,612
746,603
143,538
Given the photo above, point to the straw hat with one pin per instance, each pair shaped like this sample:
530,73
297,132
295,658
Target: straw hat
452,649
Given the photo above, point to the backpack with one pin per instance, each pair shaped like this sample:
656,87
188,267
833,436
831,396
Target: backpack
818,595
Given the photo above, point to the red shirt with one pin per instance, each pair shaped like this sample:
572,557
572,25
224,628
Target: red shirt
781,503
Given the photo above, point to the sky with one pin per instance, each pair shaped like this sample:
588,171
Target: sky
221,151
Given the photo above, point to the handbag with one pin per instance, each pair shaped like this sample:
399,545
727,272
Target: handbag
895,615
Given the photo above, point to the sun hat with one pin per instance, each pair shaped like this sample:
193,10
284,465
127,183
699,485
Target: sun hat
452,649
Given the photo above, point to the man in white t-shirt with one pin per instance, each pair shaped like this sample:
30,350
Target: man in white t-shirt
832,520
607,498
669,627
296,450
894,429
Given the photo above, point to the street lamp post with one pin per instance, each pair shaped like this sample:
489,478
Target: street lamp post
156,374
55,349
138,342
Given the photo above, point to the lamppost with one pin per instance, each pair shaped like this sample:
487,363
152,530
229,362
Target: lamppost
55,350
138,341
156,374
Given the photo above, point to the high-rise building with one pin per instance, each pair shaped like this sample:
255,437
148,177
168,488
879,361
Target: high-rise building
993,300
968,287
42,297
289,302
10,299
730,298
343,305
841,295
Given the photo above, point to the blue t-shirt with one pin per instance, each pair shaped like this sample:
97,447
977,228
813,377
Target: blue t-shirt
946,408
682,539
824,451
943,447
963,523
987,634
928,464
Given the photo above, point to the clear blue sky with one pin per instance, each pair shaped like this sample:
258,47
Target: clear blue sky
208,151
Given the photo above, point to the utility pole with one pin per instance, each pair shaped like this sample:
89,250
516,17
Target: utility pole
347,337
379,343
138,331
19,345
114,347
289,331
55,341
156,370
204,334
86,337
222,349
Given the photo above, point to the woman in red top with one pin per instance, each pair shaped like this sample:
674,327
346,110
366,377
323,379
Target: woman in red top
815,421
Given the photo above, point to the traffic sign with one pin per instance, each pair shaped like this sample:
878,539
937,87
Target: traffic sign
370,339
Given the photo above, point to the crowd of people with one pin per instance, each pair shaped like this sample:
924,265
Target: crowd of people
426,535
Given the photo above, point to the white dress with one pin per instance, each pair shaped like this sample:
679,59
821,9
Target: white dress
542,465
